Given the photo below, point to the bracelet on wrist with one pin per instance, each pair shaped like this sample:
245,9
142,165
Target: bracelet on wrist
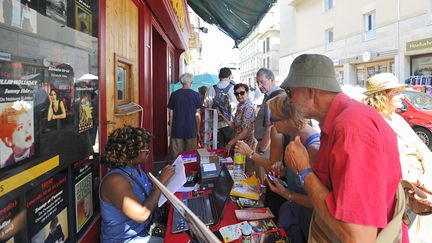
251,155
290,197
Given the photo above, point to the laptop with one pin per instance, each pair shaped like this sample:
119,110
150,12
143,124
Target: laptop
208,207
198,231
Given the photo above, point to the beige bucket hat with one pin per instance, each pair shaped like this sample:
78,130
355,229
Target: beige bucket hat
382,81
312,71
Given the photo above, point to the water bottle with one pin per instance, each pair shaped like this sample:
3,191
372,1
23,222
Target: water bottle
239,165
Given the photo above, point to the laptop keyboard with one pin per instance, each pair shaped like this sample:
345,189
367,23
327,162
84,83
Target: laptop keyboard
200,206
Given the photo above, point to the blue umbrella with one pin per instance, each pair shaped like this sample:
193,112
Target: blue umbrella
205,79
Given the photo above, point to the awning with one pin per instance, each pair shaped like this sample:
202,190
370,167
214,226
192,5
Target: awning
236,18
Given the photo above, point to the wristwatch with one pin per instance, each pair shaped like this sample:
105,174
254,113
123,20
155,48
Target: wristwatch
302,175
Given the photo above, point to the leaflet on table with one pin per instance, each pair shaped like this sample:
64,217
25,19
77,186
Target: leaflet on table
248,188
177,180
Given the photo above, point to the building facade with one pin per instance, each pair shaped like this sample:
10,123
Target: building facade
361,37
261,48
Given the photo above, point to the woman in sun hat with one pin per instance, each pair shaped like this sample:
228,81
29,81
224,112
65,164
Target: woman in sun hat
383,94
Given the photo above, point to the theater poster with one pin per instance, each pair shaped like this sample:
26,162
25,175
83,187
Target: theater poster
59,86
85,96
47,217
12,221
83,186
18,139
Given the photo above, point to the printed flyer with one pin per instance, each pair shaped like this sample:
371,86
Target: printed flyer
47,219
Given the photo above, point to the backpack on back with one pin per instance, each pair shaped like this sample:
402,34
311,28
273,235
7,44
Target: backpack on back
222,101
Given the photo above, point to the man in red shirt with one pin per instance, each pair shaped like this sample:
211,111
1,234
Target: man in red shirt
354,181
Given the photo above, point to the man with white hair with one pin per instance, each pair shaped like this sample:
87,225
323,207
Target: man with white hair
183,108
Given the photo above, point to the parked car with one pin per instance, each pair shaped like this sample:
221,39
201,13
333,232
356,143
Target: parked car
417,111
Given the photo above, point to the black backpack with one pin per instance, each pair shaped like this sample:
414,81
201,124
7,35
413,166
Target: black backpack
222,101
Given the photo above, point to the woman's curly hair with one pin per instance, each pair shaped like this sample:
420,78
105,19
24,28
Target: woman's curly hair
380,102
285,111
124,145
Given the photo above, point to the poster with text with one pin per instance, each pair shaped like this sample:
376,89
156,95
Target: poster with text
18,139
85,95
83,181
60,110
46,204
12,221
57,10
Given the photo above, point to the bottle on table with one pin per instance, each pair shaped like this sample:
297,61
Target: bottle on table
239,165
246,233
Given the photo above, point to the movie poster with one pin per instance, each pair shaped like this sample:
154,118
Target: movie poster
17,121
86,95
47,219
57,10
59,111
83,19
12,221
83,181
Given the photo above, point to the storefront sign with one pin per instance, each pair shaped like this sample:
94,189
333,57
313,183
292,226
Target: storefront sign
179,10
419,44
22,178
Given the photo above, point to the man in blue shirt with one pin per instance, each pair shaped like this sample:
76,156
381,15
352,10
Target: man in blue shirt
183,108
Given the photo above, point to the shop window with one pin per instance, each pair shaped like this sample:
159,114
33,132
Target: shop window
328,5
369,26
371,71
382,68
329,39
421,65
123,81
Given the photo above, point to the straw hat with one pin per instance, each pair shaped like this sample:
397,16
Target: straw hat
312,71
380,82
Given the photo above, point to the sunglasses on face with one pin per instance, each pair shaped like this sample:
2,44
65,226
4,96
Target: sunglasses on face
288,93
239,93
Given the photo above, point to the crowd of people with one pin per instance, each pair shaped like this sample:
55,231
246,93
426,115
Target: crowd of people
341,184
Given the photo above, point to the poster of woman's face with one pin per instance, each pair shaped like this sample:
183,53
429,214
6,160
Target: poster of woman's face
17,132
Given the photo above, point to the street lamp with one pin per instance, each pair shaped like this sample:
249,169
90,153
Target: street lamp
202,29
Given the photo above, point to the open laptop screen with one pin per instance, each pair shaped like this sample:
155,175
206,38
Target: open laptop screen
222,189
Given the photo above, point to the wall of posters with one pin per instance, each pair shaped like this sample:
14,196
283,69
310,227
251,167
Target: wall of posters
47,210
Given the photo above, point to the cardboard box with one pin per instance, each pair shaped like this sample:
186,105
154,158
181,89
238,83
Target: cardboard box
205,156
